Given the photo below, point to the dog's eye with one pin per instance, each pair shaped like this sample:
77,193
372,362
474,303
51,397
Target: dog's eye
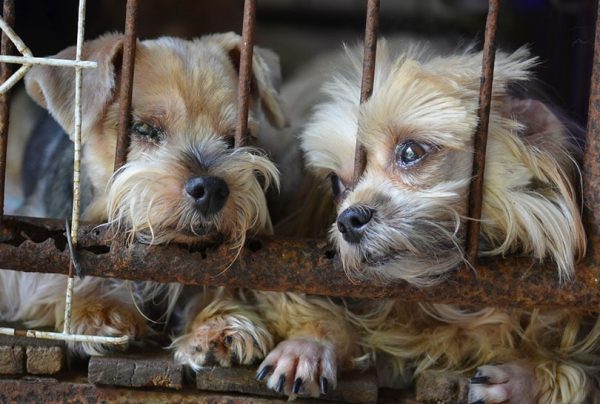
411,152
230,141
148,132
336,185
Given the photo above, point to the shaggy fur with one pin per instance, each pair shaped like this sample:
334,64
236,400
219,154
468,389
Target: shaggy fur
428,97
184,109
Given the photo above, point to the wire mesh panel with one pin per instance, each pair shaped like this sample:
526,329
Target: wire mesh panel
27,62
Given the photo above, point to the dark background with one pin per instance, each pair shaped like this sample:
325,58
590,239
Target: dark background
560,32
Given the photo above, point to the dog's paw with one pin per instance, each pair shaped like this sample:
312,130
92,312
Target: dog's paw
223,341
513,383
105,318
300,366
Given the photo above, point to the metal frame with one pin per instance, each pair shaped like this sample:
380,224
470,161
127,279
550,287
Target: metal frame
274,264
72,236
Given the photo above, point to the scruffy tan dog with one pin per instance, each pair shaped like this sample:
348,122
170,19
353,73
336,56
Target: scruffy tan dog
405,220
184,182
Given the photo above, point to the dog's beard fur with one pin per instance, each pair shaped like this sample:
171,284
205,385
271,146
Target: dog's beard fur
145,196
417,230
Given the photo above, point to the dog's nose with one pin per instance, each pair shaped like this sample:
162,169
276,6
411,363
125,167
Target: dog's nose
352,222
210,193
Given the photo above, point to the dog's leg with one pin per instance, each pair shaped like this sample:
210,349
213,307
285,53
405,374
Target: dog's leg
100,307
221,329
530,383
317,340
562,367
108,317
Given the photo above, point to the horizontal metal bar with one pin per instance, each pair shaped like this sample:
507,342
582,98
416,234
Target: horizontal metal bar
61,336
28,60
38,245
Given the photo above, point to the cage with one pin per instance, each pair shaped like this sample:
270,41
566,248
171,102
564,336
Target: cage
45,245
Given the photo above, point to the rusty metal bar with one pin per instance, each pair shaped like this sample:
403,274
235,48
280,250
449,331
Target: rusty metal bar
40,245
6,48
245,76
126,85
368,77
480,140
591,163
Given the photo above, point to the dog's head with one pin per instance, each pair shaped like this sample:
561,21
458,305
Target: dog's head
183,181
405,219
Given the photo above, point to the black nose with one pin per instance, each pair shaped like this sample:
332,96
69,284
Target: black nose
210,193
352,222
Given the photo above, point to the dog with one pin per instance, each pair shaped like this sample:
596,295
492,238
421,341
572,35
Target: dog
405,220
183,182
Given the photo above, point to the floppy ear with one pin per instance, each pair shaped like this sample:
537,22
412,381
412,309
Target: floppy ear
537,208
54,87
266,75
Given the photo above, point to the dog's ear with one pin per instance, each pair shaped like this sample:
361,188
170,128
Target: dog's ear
266,75
540,127
538,209
54,87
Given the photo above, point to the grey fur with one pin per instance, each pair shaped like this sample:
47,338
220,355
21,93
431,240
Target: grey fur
47,175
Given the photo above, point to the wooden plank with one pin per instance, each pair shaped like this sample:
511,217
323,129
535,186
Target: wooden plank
154,370
442,388
353,387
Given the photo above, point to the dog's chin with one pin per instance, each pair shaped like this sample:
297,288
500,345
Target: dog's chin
398,265
199,234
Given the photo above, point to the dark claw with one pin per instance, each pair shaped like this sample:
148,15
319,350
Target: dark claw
480,380
324,385
297,385
280,383
263,372
477,402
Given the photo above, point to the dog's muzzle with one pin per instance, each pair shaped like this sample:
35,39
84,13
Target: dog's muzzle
352,222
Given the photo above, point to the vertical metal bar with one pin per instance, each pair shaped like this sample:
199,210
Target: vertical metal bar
245,79
8,13
480,141
126,85
591,162
76,163
368,77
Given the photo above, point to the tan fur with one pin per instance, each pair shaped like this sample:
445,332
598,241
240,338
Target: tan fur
416,231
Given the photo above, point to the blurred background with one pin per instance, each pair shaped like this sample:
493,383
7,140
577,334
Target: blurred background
560,32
